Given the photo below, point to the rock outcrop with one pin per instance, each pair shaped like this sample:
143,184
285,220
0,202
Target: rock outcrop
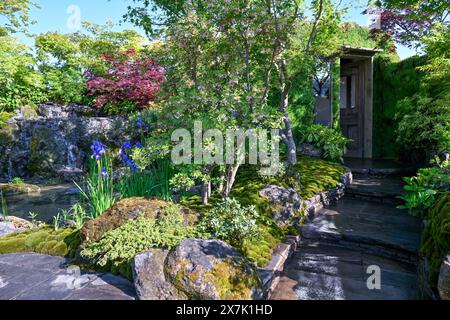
285,204
149,279
444,279
211,270
54,140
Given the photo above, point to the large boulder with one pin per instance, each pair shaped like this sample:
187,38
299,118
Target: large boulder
149,278
7,228
19,188
211,270
310,150
124,210
285,204
444,279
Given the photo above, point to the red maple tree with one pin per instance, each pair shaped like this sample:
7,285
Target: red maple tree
129,79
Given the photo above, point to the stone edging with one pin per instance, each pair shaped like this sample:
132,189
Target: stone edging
270,273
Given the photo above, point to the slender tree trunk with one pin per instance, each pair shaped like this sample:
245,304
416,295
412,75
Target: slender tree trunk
230,179
205,193
209,189
287,135
221,183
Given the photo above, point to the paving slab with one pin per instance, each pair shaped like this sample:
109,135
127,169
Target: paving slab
30,276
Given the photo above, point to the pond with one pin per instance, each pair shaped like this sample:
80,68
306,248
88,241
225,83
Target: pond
46,203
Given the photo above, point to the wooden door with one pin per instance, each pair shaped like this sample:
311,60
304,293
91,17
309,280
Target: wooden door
351,109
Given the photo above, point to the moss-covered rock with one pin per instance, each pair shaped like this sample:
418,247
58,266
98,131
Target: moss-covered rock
125,210
211,270
28,112
436,236
11,188
63,242
8,133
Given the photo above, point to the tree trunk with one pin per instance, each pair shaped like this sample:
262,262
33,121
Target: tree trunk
209,188
230,179
287,135
221,183
205,193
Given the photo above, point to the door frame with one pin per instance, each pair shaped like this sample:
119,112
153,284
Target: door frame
364,63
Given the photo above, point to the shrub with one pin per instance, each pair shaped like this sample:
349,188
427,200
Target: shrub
231,222
117,247
424,128
130,82
435,238
332,141
422,189
16,180
20,83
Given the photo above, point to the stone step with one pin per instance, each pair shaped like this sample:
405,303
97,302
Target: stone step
379,189
322,270
374,167
376,228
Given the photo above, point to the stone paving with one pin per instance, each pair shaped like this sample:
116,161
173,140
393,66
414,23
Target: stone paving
344,239
30,276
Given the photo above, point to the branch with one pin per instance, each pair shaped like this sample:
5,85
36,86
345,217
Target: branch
314,28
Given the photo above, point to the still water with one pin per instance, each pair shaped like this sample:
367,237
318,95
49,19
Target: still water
46,204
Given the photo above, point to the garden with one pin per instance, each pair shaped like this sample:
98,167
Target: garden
87,147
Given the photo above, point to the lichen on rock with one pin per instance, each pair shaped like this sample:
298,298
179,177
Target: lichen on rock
211,270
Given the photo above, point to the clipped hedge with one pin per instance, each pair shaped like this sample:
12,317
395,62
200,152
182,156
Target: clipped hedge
436,236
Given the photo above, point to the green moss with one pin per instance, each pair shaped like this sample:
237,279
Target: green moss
7,133
436,236
4,117
233,282
317,175
63,242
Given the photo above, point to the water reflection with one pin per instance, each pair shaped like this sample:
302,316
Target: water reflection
46,204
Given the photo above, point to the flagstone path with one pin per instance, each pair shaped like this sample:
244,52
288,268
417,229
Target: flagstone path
362,229
30,276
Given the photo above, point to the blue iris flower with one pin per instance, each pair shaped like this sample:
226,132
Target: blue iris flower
104,173
98,150
138,145
140,123
126,145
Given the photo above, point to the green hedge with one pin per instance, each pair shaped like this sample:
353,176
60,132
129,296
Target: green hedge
393,81
436,236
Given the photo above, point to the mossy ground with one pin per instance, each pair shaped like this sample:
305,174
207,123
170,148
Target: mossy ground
316,176
436,236
46,240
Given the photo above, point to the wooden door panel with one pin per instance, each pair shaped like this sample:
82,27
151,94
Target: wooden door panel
351,109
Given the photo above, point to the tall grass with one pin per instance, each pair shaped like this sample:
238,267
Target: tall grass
153,182
98,191
4,207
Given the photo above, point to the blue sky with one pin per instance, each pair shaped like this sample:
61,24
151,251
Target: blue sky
53,16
